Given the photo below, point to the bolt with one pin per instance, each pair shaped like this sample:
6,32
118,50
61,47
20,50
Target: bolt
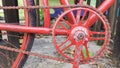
80,36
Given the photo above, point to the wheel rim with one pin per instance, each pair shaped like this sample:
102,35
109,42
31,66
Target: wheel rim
80,33
25,40
28,38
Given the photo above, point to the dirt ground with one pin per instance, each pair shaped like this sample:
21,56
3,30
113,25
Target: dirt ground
44,46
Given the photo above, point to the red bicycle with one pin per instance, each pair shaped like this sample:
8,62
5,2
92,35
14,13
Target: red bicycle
74,27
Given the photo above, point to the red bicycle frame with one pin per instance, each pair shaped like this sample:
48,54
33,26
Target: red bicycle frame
46,30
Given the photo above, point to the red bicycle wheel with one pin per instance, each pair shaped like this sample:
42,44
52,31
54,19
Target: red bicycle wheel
87,36
12,59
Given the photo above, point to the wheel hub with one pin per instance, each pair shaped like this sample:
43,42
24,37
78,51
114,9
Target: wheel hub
79,33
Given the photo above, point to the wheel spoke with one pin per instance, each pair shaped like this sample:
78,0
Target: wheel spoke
84,14
59,23
99,33
66,22
83,17
64,42
78,14
87,51
90,20
7,42
77,55
96,38
82,55
6,56
65,48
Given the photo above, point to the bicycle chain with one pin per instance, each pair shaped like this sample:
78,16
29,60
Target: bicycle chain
46,56
39,7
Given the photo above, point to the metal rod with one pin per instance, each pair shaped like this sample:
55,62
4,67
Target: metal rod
26,29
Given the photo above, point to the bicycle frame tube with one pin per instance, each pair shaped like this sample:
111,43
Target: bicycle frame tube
46,14
16,28
26,29
103,7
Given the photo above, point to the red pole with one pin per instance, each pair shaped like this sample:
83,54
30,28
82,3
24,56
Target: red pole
46,14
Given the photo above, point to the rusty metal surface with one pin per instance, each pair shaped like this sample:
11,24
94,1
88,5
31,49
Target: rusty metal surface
40,7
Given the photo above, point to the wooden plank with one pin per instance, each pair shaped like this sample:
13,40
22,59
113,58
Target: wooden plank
116,48
112,17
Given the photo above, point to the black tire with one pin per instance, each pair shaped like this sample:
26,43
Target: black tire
8,59
32,19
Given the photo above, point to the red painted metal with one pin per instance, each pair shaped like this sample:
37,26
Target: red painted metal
81,35
103,7
78,12
77,33
26,29
69,15
78,52
25,38
46,14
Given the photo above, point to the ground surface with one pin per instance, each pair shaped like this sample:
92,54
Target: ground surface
44,46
